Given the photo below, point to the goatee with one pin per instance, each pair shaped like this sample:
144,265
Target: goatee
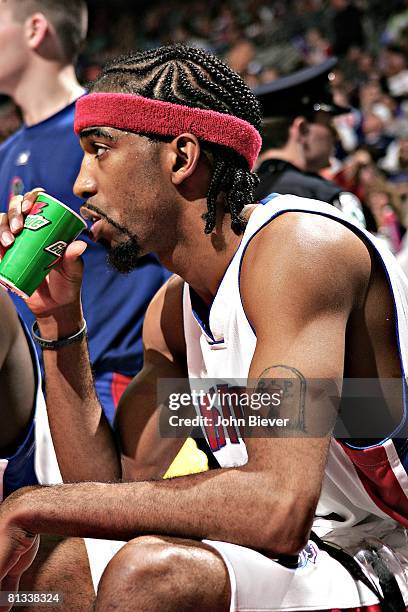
125,256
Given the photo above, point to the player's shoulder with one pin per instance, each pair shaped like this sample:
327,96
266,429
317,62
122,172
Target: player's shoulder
163,325
169,295
308,245
308,227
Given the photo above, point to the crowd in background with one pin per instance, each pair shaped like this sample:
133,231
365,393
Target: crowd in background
264,40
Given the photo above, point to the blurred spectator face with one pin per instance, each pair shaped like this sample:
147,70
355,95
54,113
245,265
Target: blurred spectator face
313,37
268,74
240,56
393,62
402,191
361,158
366,63
340,96
377,201
338,5
354,54
319,144
390,103
366,174
318,48
370,94
339,83
372,127
14,53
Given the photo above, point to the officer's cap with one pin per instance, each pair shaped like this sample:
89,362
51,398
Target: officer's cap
301,93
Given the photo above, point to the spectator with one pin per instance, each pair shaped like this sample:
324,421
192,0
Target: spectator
298,138
318,47
395,69
383,202
395,163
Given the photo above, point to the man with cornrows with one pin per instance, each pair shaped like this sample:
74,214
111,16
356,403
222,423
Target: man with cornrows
287,295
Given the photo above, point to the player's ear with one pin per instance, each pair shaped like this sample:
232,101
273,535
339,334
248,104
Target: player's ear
36,28
185,153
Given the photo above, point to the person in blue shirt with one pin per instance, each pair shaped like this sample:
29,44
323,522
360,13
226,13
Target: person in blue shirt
39,41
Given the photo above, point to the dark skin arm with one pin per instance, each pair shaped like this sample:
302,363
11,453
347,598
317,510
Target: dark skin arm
269,503
80,427
145,453
16,378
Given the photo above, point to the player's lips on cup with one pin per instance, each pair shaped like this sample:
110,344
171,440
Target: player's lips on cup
103,226
97,228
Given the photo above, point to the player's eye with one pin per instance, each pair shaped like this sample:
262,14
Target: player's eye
99,149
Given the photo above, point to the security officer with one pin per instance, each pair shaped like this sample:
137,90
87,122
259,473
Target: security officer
298,138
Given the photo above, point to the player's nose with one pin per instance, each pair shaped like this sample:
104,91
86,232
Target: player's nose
85,184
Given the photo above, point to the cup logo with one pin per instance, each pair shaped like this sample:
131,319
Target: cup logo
57,249
34,221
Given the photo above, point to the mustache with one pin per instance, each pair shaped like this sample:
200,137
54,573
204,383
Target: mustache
111,221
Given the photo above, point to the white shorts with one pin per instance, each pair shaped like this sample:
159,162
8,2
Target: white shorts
259,584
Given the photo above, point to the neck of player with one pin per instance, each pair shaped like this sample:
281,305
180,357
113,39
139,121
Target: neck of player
202,259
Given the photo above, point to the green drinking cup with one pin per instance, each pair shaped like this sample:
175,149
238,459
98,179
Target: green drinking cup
48,229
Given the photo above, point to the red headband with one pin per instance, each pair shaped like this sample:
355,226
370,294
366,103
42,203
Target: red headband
139,114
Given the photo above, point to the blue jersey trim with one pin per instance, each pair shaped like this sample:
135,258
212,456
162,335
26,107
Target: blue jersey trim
268,198
203,325
362,236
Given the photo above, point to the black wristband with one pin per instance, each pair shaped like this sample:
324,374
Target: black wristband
53,345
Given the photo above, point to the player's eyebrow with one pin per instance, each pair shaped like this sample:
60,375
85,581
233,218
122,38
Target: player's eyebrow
98,133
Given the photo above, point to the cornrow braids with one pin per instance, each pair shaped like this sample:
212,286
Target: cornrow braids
192,77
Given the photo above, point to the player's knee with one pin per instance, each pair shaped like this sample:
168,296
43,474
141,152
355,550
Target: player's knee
145,561
153,573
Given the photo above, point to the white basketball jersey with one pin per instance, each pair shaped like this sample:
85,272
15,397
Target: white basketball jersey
357,482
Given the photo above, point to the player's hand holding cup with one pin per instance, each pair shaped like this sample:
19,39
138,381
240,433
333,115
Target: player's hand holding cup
40,262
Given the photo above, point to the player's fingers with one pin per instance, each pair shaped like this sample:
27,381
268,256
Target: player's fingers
19,206
30,197
6,235
76,249
11,581
15,216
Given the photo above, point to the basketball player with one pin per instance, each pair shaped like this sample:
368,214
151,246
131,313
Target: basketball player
283,293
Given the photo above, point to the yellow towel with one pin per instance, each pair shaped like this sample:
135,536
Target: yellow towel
189,460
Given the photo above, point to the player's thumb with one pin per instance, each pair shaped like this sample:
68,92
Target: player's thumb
72,262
